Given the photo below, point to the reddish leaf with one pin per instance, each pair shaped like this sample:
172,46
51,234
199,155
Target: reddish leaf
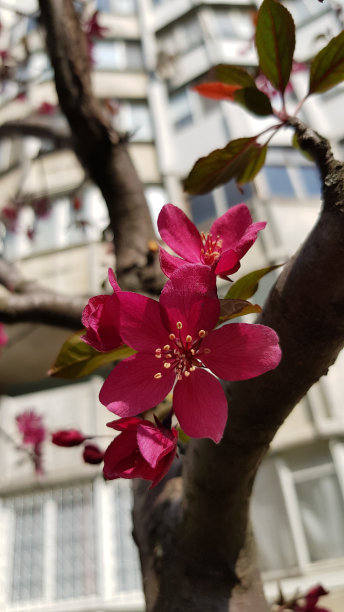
217,90
232,75
327,68
275,42
253,100
220,166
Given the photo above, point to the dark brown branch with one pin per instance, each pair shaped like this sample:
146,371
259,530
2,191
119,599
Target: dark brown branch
28,301
100,149
37,127
207,526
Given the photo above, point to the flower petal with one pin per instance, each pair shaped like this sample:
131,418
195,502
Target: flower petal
122,459
179,233
113,281
189,297
154,442
169,263
140,322
231,226
228,263
200,405
239,351
131,387
249,238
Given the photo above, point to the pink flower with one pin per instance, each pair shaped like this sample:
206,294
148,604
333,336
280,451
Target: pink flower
68,437
311,601
229,238
46,108
3,336
100,317
142,450
176,343
92,454
31,426
93,27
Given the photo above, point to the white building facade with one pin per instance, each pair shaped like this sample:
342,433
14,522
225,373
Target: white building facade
65,538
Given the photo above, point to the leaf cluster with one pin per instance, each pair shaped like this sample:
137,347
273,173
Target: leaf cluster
241,159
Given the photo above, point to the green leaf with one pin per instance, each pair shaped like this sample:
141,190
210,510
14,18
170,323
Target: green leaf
253,100
237,160
77,359
232,75
275,42
246,286
230,309
254,160
327,68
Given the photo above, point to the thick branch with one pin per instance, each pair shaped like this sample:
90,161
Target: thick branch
99,148
28,301
40,128
209,526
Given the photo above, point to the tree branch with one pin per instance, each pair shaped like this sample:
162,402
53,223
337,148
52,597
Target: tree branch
101,149
28,301
208,532
37,127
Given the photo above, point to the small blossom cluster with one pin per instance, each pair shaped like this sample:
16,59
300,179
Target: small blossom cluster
73,437
33,432
178,346
302,603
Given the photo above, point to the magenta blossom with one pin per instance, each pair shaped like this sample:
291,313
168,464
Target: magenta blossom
100,319
3,336
92,454
311,601
229,238
68,437
30,425
142,450
178,348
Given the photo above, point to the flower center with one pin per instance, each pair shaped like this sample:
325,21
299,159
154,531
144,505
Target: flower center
211,249
182,355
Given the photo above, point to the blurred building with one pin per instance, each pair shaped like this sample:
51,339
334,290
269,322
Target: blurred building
65,538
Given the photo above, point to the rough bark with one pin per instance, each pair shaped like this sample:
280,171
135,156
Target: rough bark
193,532
101,150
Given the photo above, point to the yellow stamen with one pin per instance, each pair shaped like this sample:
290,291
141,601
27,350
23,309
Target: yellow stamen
187,373
188,338
158,375
172,337
167,347
179,325
202,333
167,365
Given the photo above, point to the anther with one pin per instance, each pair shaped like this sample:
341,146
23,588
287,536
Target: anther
179,325
193,352
158,355
167,347
172,337
167,365
158,375
187,373
202,333
188,338
207,351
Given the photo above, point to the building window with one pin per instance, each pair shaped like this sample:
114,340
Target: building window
203,208
233,24
180,108
117,55
59,541
279,182
122,7
298,509
182,37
